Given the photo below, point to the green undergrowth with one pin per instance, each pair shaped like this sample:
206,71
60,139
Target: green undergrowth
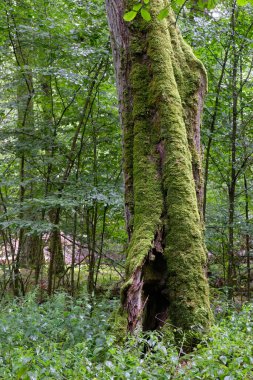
73,339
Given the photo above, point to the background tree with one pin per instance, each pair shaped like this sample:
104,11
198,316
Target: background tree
73,129
226,134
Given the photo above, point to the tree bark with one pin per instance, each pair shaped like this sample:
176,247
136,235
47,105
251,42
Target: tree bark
161,86
56,264
231,272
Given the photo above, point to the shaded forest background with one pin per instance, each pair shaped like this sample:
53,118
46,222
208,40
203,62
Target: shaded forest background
62,218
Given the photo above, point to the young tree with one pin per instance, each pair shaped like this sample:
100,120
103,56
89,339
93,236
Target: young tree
161,85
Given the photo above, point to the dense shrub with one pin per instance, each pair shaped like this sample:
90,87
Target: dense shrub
67,339
227,353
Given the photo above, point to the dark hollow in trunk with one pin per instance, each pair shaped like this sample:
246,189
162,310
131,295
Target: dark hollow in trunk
155,311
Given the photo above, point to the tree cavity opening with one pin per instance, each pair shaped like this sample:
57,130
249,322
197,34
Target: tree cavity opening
155,298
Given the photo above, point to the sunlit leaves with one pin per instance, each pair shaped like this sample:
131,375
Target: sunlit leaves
242,3
209,4
137,7
129,16
140,7
181,2
145,14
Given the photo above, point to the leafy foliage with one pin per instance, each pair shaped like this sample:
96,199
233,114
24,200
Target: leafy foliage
129,16
227,353
142,6
67,339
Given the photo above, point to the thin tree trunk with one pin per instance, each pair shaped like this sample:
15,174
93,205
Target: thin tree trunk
212,129
73,256
247,236
231,277
246,187
56,264
91,233
101,245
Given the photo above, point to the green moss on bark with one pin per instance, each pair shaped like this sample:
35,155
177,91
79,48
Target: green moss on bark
166,255
148,199
184,247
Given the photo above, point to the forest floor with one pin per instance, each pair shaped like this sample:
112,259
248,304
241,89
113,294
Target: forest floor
64,338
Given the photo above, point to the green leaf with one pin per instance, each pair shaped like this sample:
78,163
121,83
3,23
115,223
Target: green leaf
146,1
137,7
241,3
163,13
129,16
145,14
210,4
21,371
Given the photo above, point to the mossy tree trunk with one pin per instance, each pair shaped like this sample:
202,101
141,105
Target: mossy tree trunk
161,85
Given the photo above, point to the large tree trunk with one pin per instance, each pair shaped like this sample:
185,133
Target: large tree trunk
160,87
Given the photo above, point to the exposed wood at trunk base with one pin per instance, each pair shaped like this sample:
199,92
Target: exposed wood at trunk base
134,301
147,301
